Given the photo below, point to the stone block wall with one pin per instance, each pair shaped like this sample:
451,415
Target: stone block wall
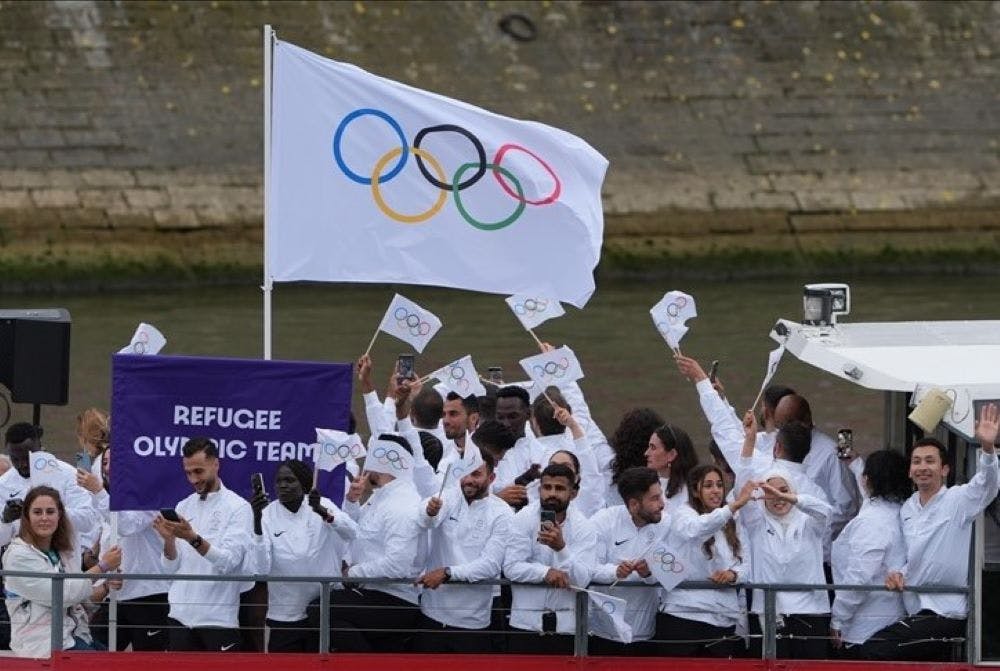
729,125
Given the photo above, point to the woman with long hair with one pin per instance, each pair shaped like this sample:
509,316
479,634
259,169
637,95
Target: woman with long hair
702,623
866,550
670,453
45,545
629,443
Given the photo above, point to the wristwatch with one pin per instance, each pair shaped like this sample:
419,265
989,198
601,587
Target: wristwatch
447,574
197,542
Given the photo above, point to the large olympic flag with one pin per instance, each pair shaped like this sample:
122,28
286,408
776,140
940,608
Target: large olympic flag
259,413
375,181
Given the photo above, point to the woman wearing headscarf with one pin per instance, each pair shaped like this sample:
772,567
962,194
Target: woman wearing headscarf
298,534
702,623
869,547
785,532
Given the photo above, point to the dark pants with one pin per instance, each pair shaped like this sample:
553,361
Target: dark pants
680,637
300,636
253,611
203,639
440,638
800,637
916,638
991,615
366,620
144,623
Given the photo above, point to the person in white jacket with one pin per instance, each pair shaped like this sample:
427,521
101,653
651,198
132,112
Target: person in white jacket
45,544
865,551
469,533
624,534
937,527
557,551
211,538
390,544
297,534
702,623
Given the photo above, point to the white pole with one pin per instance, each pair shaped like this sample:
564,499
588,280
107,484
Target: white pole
268,52
113,595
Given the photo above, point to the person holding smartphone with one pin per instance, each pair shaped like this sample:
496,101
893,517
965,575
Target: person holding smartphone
211,534
553,544
299,533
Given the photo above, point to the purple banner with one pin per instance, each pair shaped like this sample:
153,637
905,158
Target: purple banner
259,413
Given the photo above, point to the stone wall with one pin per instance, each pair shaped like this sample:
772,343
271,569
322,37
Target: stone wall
729,125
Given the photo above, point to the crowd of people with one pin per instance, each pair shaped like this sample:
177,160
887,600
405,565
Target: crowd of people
459,492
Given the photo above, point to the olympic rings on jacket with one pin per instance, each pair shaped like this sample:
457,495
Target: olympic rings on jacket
408,320
531,305
436,176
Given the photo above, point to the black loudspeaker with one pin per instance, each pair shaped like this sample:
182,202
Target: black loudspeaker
34,355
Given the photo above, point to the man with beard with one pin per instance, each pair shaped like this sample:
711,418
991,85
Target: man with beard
295,535
555,545
624,534
390,544
469,534
215,525
460,417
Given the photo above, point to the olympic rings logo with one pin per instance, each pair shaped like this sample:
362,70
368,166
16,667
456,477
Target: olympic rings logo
552,369
609,607
456,376
141,342
438,179
389,457
44,464
407,320
531,305
343,451
673,314
668,562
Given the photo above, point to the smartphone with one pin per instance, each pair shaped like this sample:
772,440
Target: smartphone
257,482
845,444
170,514
404,367
548,516
84,461
496,374
713,371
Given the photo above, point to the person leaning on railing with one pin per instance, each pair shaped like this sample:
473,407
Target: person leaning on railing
44,544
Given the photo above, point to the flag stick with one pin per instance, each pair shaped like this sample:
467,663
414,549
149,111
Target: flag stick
370,344
444,480
757,400
641,555
315,476
540,346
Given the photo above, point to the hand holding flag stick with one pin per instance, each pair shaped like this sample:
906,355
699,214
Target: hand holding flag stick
641,556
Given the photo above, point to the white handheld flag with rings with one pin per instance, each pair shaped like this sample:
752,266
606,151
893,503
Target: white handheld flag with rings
409,322
388,456
534,309
607,616
333,448
666,566
670,315
147,339
372,180
461,377
556,368
773,359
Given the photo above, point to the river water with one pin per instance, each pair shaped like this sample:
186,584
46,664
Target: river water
626,362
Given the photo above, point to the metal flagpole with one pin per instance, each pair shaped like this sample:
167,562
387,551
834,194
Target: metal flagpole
113,595
267,286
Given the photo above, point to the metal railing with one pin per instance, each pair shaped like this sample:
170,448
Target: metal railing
769,632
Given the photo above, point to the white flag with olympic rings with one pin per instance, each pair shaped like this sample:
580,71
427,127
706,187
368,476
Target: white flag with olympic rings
409,322
334,448
670,315
372,180
533,309
147,339
666,566
460,376
607,616
557,368
45,469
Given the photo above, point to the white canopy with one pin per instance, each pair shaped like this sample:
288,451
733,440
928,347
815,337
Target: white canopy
960,357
